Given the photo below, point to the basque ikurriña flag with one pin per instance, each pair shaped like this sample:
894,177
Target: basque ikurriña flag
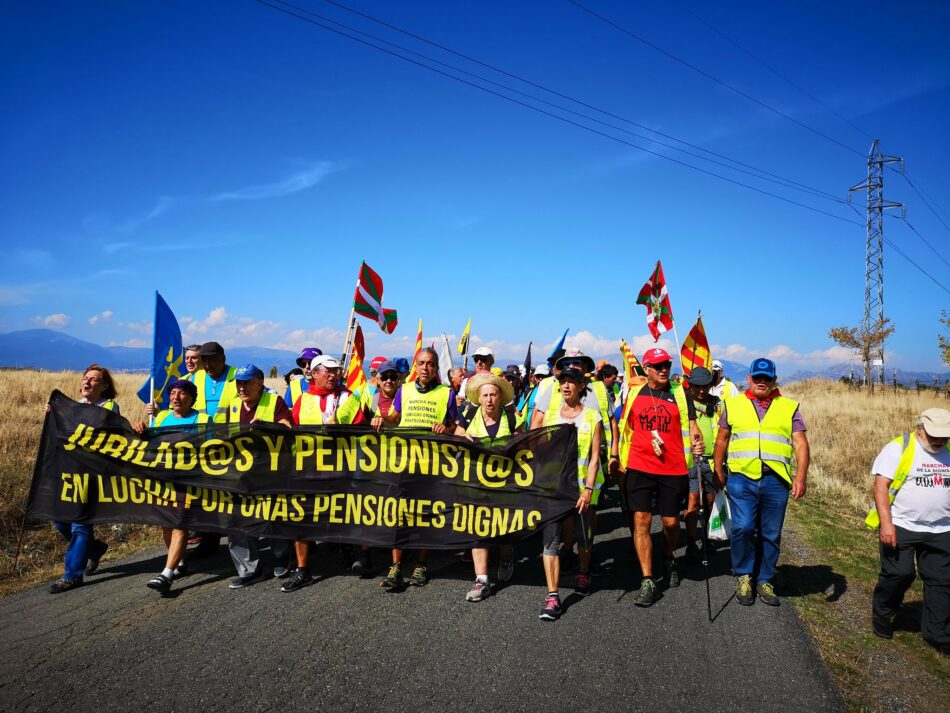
167,355
654,297
368,300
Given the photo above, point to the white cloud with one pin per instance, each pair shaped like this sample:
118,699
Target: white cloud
103,316
299,181
134,342
138,327
53,320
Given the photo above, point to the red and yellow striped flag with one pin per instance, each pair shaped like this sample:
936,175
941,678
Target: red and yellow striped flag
695,351
631,367
412,369
355,376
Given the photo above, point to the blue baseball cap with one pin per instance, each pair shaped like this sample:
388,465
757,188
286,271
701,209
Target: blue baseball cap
403,364
388,365
248,372
307,355
762,367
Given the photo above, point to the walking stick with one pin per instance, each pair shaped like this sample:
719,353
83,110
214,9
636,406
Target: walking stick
702,537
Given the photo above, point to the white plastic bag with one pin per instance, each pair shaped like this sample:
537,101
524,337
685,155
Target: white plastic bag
720,519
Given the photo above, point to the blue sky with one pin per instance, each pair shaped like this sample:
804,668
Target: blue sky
244,162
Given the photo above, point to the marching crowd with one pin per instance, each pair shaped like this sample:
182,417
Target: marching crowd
667,444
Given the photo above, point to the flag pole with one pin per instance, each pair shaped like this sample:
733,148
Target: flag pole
151,381
349,334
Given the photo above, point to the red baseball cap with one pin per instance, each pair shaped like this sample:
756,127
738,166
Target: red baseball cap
377,362
655,356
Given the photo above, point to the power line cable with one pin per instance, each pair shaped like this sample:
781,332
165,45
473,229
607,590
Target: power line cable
924,240
711,77
469,58
926,202
550,114
779,180
773,70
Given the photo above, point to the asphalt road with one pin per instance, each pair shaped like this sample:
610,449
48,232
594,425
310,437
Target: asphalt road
345,644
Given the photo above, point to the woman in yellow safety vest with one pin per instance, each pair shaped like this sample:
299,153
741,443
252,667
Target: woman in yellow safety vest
571,410
488,421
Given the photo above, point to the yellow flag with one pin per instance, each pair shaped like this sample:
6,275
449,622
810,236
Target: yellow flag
412,370
463,342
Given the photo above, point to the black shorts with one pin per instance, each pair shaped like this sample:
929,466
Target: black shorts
667,492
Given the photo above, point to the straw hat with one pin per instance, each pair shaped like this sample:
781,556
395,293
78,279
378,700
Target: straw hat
478,381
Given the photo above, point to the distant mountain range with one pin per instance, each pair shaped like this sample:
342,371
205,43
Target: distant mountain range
52,350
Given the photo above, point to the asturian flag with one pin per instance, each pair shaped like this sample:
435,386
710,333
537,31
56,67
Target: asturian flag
167,355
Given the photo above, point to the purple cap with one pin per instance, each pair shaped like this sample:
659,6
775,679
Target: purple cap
307,355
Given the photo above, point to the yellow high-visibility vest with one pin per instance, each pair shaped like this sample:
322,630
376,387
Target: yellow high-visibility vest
908,445
311,414
264,412
753,443
478,429
585,441
600,391
626,430
423,410
228,394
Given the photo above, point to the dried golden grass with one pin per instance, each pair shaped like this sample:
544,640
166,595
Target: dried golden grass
847,429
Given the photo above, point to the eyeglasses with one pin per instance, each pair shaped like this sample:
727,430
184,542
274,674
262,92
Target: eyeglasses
661,366
480,358
389,376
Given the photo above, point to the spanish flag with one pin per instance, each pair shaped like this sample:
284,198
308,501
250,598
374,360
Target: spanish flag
463,342
412,370
695,351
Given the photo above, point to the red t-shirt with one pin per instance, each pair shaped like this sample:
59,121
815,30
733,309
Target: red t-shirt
656,410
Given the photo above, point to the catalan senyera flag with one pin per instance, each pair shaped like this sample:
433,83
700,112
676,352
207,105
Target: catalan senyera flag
412,369
355,376
654,297
368,300
695,351
167,355
463,342
631,366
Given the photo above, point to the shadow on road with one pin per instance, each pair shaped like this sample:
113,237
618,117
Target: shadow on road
799,581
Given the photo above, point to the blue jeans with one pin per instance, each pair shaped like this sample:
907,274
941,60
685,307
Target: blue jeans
758,512
79,537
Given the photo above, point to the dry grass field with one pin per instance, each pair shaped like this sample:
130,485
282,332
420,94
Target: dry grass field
828,567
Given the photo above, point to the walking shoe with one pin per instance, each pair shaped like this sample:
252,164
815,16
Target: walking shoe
160,583
744,594
245,581
96,550
582,583
64,585
551,609
280,572
194,538
394,579
420,576
506,569
646,597
299,580
479,591
671,574
363,565
767,594
882,626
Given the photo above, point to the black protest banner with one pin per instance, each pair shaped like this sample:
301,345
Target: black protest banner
398,488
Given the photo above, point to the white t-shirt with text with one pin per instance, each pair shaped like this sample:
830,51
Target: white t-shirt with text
923,502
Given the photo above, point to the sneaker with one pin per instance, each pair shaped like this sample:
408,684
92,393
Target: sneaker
363,565
64,585
194,538
882,627
479,591
582,583
300,579
506,569
160,583
744,594
245,581
394,579
671,574
767,594
551,609
280,572
646,597
420,576
96,550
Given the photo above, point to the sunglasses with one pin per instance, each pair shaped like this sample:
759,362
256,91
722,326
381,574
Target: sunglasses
661,366
480,358
389,376
568,363
761,379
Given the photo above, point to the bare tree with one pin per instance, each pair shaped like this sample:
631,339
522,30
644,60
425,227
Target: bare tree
862,341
